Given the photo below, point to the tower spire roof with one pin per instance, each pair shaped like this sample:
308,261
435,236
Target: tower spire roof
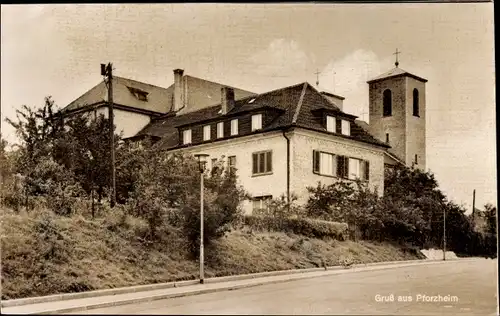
396,72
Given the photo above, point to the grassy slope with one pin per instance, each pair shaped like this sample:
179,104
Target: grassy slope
79,254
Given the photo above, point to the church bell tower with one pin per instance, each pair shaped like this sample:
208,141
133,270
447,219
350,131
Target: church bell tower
397,114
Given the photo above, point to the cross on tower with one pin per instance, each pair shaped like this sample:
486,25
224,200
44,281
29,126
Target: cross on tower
397,53
317,77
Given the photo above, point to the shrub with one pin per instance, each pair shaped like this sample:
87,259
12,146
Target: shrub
301,226
281,208
350,202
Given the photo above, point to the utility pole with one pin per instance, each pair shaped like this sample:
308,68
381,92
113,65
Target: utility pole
107,71
473,203
444,233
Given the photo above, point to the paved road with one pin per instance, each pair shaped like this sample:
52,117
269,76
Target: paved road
469,286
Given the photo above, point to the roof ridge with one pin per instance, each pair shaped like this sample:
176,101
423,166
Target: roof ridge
141,82
267,92
299,103
218,83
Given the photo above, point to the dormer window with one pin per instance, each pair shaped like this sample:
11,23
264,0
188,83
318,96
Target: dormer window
186,137
142,96
234,127
139,94
330,124
256,122
220,129
206,132
346,128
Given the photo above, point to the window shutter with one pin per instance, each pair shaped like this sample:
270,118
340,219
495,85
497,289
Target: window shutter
340,166
269,161
367,170
255,163
346,167
315,161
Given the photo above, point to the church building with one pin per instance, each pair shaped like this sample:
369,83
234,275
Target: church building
279,142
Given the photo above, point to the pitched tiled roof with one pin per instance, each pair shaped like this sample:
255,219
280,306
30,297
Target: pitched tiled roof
200,94
294,105
157,97
203,93
395,72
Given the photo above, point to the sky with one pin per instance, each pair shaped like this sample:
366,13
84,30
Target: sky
56,50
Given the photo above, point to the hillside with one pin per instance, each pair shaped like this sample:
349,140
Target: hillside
45,254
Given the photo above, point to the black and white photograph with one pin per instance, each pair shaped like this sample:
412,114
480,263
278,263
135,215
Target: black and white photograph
300,158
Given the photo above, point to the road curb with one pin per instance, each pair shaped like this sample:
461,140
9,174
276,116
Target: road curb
160,286
331,271
142,288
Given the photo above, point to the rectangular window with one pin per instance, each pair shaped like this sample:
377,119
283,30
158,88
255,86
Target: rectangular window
359,169
234,127
256,122
231,161
206,132
387,138
262,162
325,164
220,130
260,203
354,169
186,137
330,124
346,127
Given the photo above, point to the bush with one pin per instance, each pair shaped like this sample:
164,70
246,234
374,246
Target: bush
281,208
312,228
353,203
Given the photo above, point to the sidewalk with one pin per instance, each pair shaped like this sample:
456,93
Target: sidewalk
75,302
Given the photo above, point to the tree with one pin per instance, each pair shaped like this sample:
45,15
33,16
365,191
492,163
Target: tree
418,205
75,142
490,213
222,206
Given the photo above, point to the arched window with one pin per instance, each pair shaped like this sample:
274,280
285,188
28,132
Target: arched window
387,102
415,103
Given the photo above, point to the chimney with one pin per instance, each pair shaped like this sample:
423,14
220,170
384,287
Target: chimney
227,99
335,99
178,89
